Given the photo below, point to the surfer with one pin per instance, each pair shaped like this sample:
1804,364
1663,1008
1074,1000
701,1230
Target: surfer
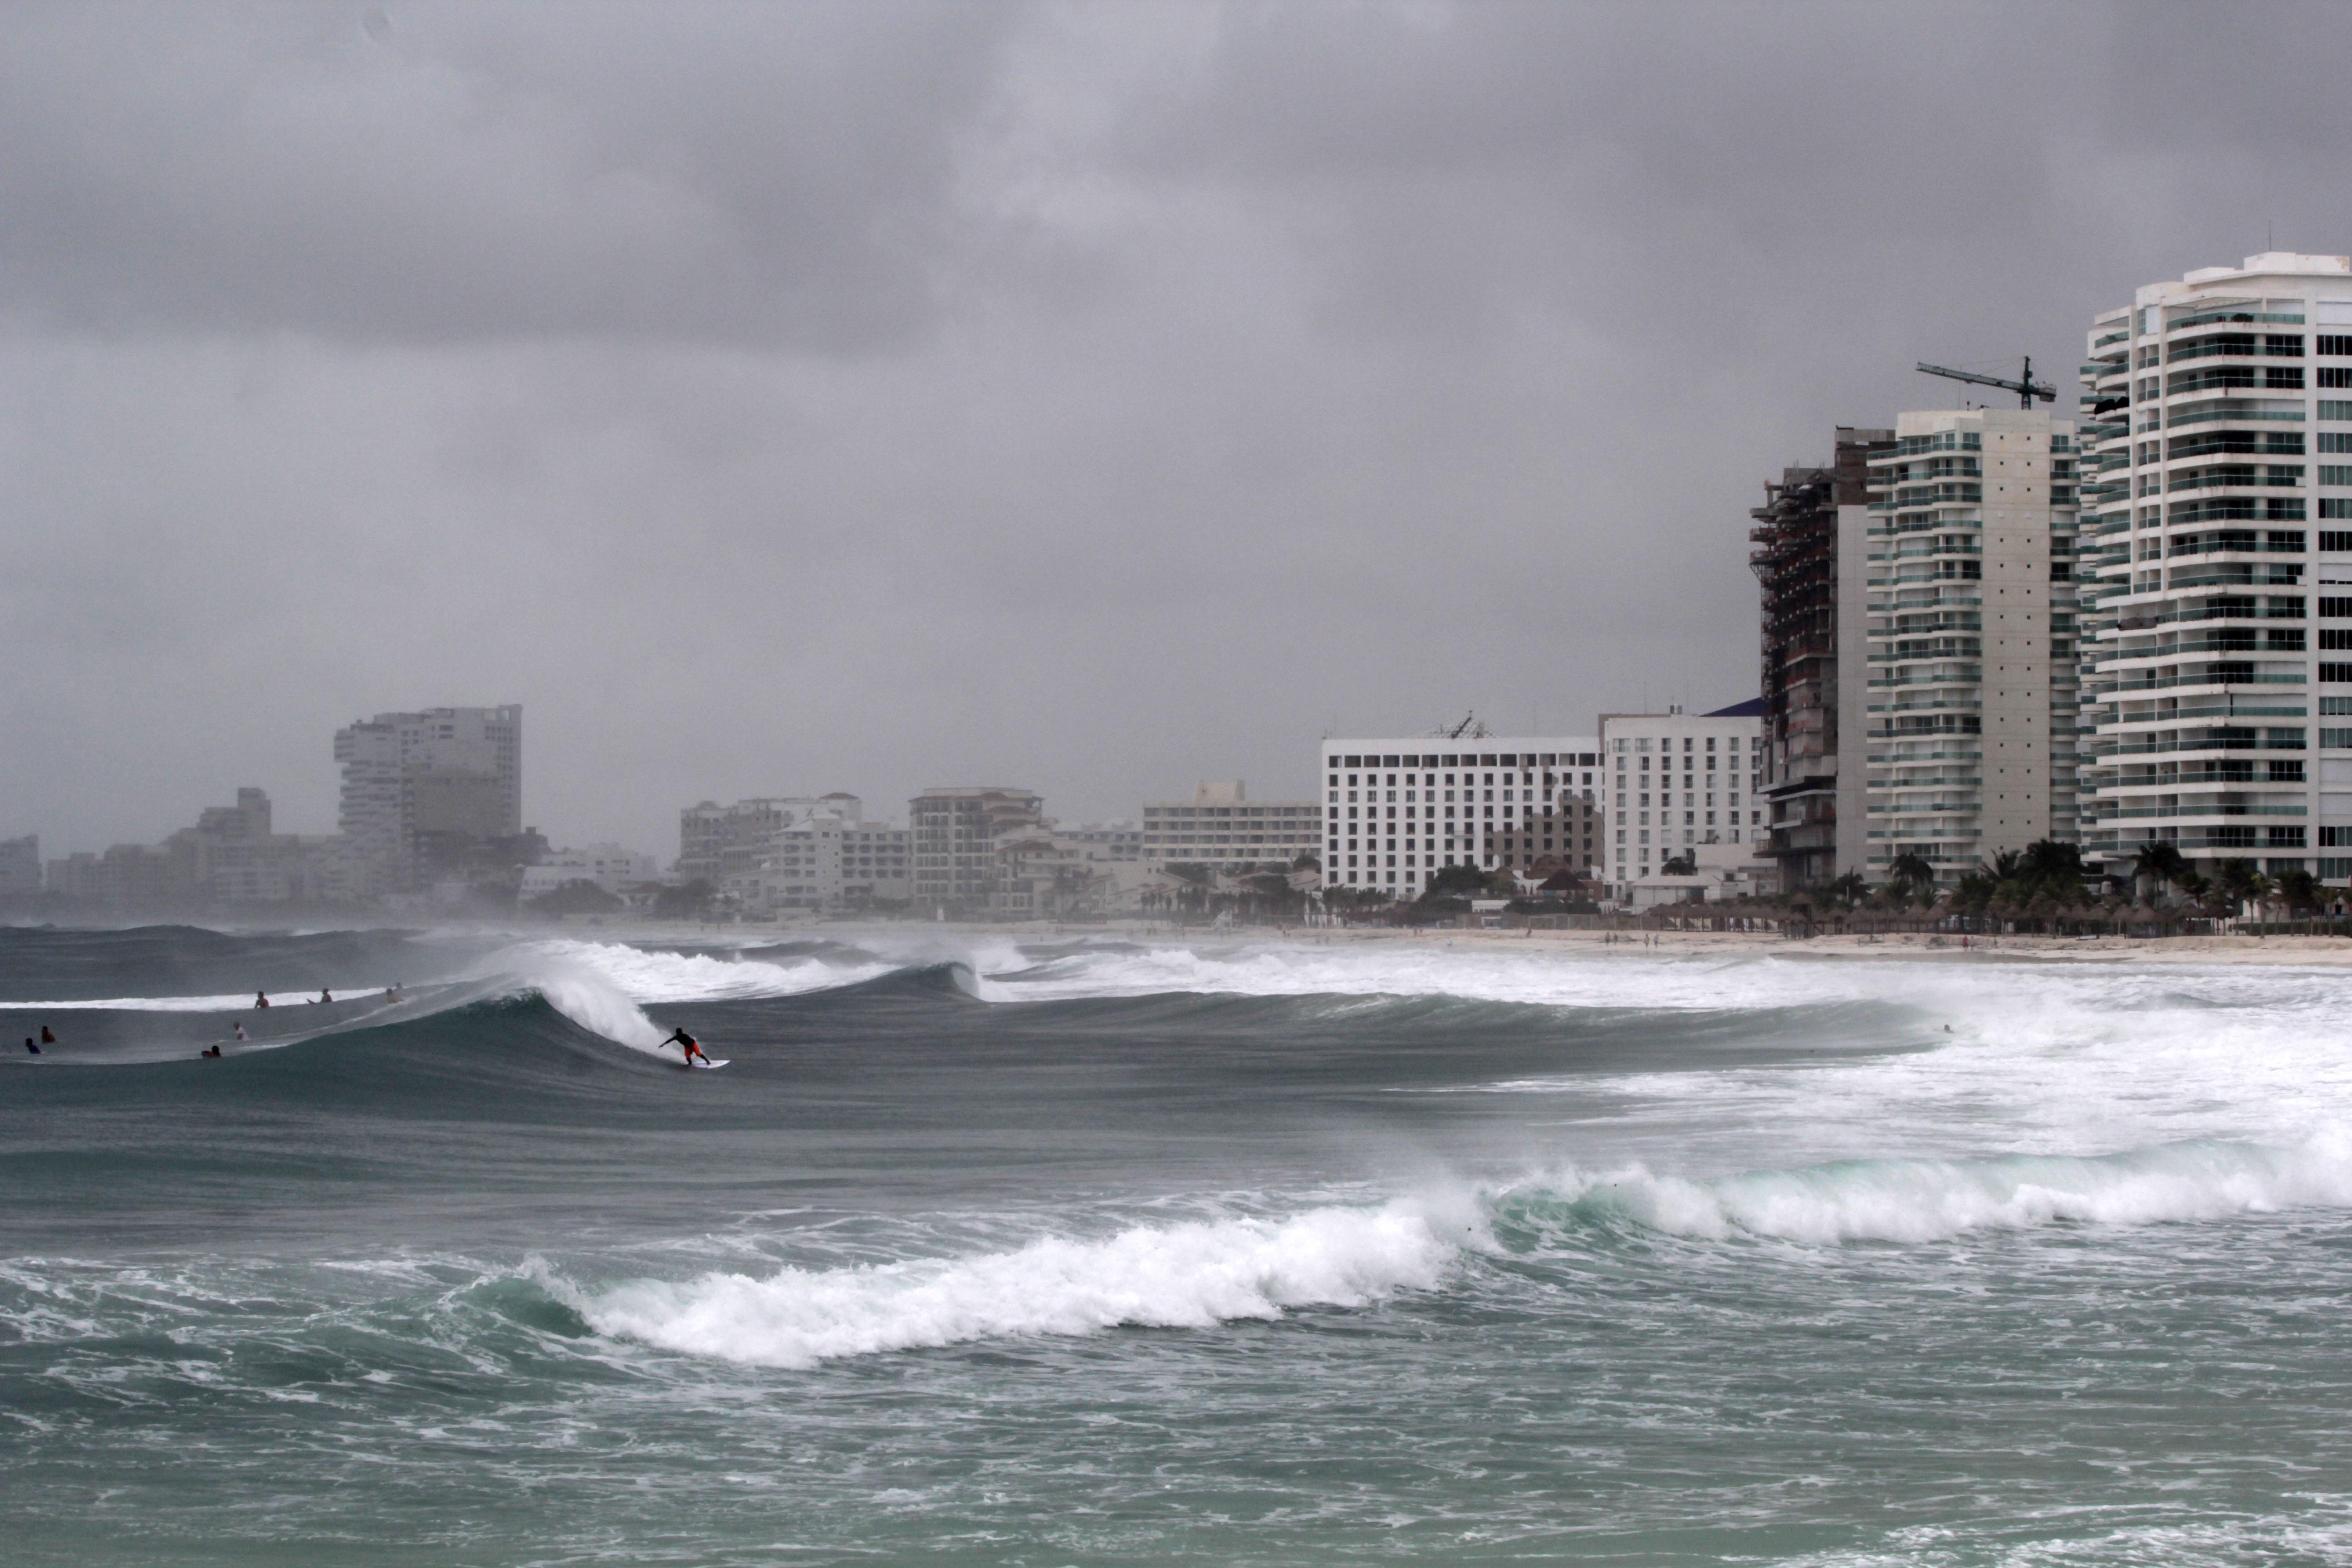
261,999
325,994
30,1046
47,1037
238,1025
688,1045
210,1051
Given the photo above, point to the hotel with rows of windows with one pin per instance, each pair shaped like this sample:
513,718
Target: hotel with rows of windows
2217,599
1396,812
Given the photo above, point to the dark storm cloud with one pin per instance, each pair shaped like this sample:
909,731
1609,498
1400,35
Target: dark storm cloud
1099,397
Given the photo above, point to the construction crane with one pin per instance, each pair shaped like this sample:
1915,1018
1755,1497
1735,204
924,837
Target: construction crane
2025,386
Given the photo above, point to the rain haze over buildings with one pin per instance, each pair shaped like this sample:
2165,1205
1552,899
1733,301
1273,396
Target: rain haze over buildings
782,399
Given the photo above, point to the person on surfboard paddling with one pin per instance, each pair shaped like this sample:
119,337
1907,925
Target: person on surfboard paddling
689,1045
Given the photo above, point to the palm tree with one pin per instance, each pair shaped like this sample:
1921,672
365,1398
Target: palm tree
2159,862
1848,890
2300,889
1911,878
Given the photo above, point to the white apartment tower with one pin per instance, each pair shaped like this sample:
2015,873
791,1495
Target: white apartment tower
1972,695
410,780
1686,787
2218,617
1397,811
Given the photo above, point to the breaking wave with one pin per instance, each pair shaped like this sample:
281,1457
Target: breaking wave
1914,1201
1188,1275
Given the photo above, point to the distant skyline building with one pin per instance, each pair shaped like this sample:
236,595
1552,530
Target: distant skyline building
1973,698
20,865
606,867
2217,615
1115,841
1397,810
421,791
1222,827
954,833
727,844
833,858
1809,554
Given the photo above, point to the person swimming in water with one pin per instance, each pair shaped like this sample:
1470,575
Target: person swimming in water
261,998
47,1037
210,1051
237,1024
687,1043
30,1046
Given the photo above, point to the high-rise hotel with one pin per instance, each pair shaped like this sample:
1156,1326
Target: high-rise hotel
2217,610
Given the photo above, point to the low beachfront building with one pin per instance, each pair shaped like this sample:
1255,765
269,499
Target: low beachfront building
1221,827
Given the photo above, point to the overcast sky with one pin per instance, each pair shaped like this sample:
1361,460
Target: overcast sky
1098,398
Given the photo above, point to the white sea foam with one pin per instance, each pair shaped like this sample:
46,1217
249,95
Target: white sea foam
240,1002
1926,1200
1193,1275
656,977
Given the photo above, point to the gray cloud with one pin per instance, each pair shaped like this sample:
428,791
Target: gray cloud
764,174
1096,397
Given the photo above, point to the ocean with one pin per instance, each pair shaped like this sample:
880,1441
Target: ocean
1233,1250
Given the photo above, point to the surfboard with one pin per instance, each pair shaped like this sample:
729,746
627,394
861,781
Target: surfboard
707,1062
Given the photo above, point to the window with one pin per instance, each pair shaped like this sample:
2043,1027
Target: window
2336,473
2330,539
2335,343
2338,508
2329,375
2336,673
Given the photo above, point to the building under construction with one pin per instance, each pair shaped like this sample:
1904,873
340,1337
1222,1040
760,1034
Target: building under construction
1811,536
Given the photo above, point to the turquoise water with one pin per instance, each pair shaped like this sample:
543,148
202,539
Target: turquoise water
1098,1253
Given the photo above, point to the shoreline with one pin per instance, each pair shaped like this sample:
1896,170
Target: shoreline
2306,951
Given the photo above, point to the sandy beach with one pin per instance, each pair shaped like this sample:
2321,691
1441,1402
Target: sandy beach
2229,949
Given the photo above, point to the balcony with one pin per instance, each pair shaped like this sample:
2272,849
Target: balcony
2281,608
2266,409
2243,576
2236,345
2128,687
2240,542
2202,809
2234,315
2254,443
2236,476
2230,710
2231,774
